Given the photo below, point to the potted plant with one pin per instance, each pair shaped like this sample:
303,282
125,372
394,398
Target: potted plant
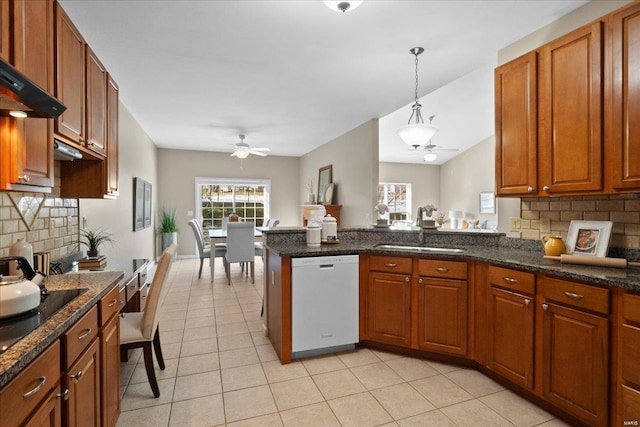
168,229
92,239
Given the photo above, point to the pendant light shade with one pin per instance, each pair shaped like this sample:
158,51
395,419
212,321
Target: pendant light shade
342,6
418,133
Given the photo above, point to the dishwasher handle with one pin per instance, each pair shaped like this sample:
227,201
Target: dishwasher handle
326,266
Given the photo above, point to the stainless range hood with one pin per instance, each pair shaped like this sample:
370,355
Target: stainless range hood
18,93
62,151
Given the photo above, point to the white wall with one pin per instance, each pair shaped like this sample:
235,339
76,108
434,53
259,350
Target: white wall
424,180
354,160
178,169
137,157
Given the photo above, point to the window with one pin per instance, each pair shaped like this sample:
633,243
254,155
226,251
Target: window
218,198
397,196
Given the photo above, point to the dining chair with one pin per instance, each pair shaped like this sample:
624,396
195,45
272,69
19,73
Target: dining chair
268,223
140,329
240,246
204,250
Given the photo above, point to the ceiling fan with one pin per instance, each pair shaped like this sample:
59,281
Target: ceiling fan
242,149
431,150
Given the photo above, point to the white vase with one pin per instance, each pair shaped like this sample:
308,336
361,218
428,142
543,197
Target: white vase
20,248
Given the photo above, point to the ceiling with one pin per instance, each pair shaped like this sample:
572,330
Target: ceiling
293,75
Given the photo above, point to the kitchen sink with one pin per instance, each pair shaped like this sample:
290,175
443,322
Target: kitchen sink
431,249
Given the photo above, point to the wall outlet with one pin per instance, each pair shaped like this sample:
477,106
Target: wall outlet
545,225
515,224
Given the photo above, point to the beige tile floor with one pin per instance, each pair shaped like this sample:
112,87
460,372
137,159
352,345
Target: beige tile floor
221,370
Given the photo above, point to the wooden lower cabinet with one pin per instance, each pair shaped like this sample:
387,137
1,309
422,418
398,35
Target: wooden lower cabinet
389,308
575,362
49,414
510,320
83,381
110,369
442,315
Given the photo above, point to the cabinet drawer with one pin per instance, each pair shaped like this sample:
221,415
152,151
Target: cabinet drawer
390,264
109,305
79,336
577,295
514,280
441,268
132,287
631,307
28,389
630,404
630,352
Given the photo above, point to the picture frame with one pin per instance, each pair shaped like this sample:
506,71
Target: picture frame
590,238
487,202
141,204
325,177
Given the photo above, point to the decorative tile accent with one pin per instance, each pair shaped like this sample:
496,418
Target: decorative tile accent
28,206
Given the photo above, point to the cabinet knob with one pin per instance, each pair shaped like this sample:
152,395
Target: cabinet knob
406,278
64,395
545,306
527,301
24,178
531,190
77,376
547,188
420,281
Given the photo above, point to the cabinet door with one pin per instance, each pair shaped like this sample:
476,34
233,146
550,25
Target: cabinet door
511,339
624,132
112,138
49,413
442,315
70,79
389,308
110,368
575,362
33,55
96,104
83,382
570,139
516,119
5,48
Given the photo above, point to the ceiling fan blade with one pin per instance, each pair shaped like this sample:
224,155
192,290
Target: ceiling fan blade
258,153
446,149
261,149
234,154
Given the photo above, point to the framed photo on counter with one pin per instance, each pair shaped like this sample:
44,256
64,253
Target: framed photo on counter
589,238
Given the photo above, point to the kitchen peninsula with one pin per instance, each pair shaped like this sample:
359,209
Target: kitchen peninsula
497,305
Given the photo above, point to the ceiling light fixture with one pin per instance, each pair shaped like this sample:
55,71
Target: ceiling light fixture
430,157
418,133
342,6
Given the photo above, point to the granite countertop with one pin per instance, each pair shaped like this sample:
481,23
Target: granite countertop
98,284
497,254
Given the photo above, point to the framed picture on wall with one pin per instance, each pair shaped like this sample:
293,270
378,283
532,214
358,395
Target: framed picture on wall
138,204
325,177
147,204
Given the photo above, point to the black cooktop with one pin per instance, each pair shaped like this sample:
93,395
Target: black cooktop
12,329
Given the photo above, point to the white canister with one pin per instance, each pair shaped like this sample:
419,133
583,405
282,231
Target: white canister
20,248
314,233
329,229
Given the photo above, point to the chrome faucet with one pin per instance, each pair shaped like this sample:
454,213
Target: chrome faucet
421,236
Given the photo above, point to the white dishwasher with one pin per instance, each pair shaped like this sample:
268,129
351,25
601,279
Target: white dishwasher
324,304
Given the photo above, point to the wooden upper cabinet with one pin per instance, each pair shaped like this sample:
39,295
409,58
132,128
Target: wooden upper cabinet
570,140
516,87
33,55
5,48
70,79
96,104
623,137
26,144
112,138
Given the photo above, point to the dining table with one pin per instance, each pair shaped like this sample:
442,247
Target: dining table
219,235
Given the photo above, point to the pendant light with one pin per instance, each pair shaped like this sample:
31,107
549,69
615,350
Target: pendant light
419,133
430,157
342,6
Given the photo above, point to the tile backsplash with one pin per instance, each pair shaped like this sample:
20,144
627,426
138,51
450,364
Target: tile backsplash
622,210
55,228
